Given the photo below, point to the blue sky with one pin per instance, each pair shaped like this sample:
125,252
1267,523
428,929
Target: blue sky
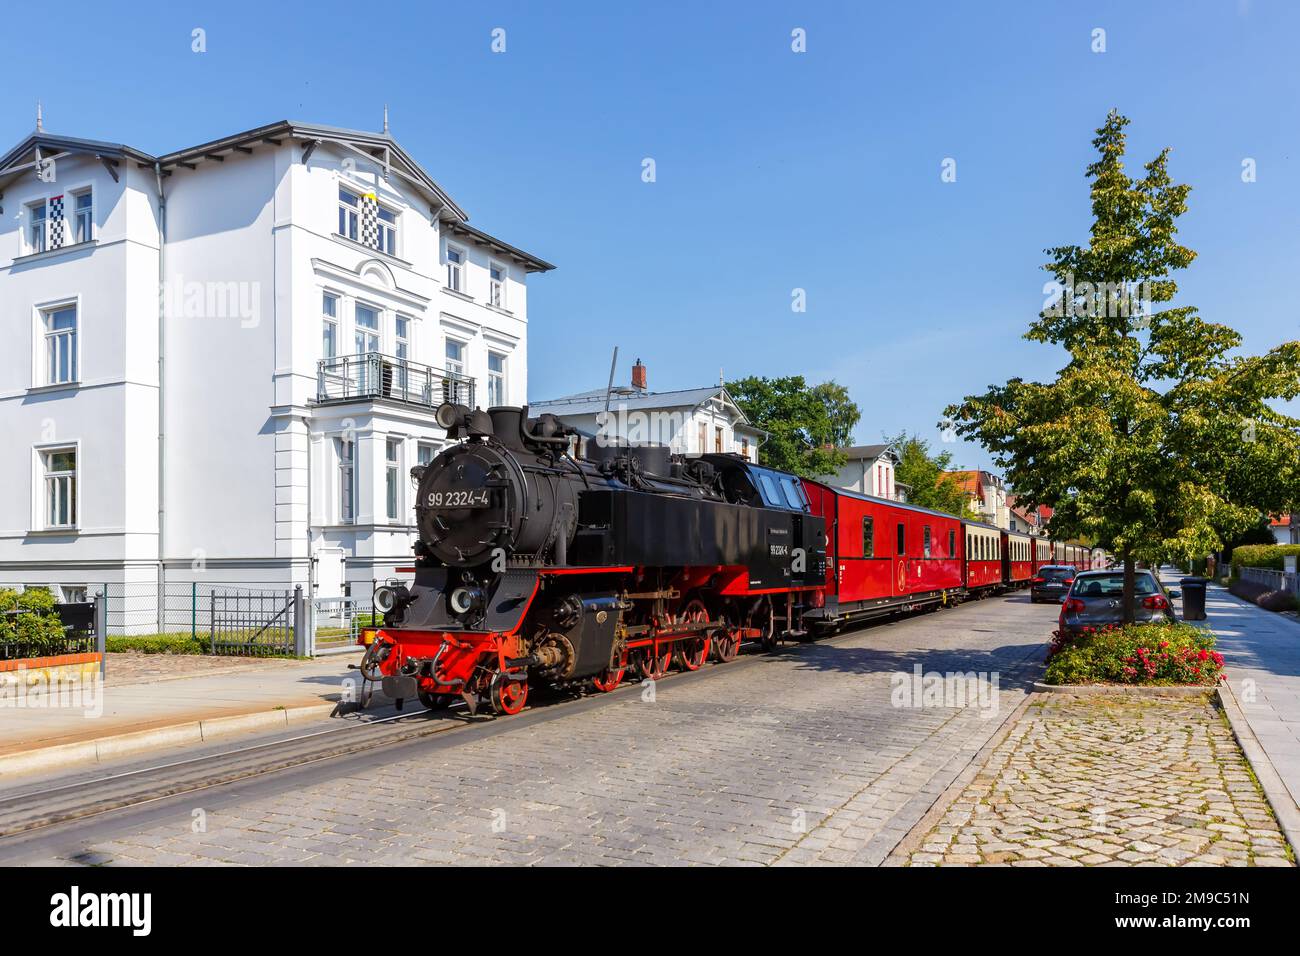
775,170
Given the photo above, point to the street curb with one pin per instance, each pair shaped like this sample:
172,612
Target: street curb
898,856
189,732
1276,793
1102,690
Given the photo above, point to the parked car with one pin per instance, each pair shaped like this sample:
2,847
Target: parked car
1051,583
1097,598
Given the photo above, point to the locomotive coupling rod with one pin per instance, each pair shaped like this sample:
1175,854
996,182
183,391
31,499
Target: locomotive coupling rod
670,594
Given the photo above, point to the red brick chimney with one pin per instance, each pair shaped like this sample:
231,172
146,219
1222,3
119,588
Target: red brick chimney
638,376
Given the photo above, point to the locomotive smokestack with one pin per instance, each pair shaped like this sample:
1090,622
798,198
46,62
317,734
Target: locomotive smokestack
638,376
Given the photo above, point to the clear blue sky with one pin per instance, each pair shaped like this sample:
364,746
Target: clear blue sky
775,170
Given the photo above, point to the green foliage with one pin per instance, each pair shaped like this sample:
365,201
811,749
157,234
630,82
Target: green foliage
807,423
157,644
1261,556
27,618
924,474
1162,653
1157,439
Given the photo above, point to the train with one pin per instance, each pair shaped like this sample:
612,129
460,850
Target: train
545,557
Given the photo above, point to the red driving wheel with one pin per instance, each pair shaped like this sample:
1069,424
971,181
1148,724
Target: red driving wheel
726,644
652,667
509,696
693,650
611,677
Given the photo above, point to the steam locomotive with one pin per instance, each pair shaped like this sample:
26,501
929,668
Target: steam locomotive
548,558
534,565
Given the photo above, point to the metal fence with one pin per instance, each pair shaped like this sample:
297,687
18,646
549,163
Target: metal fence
375,375
79,634
1273,580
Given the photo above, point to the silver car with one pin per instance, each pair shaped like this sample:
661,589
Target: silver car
1096,599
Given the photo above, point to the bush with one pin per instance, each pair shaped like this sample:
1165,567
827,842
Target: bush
1261,556
1160,653
157,644
1276,601
34,627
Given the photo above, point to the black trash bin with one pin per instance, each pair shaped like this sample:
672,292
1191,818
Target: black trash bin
1193,598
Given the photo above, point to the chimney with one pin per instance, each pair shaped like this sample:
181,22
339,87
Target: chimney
638,376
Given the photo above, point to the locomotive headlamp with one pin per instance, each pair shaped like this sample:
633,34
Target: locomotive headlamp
449,414
464,600
385,598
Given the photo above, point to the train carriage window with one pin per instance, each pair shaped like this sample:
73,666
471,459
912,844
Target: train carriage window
952,543
902,539
868,537
925,541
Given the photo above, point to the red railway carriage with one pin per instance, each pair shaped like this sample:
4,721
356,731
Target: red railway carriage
1042,553
1017,558
983,556
883,555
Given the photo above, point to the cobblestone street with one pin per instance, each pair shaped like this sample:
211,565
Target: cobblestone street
806,756
1111,781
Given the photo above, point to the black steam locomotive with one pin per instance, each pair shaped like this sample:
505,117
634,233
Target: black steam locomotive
546,555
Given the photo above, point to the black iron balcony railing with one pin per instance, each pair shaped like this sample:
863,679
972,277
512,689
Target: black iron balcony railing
347,378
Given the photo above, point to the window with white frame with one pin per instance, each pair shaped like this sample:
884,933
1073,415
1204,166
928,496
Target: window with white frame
366,333
329,326
455,357
387,231
59,335
37,227
59,467
497,285
424,453
496,379
349,213
347,480
402,337
455,269
83,212
392,476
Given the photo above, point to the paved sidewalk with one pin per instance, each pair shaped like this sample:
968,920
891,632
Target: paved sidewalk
1262,652
1110,781
152,701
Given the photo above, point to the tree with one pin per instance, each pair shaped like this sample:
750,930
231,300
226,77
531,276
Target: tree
1156,438
807,423
923,473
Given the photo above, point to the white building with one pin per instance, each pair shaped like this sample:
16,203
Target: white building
257,420
986,496
690,421
870,471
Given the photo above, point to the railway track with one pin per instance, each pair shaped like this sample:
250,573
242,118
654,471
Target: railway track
26,813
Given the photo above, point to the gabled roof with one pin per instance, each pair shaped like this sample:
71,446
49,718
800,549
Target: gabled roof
590,402
17,160
869,452
379,148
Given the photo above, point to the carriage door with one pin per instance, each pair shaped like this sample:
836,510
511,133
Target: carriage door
900,562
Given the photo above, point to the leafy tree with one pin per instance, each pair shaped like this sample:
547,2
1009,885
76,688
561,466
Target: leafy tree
924,474
807,423
1156,438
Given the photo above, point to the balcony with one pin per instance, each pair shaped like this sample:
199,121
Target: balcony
373,375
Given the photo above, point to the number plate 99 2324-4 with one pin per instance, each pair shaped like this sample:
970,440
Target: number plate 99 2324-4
456,498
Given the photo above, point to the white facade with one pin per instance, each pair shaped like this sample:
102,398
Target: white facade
870,471
691,422
320,296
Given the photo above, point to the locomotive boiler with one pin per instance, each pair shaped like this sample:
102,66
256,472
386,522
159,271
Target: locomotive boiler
549,557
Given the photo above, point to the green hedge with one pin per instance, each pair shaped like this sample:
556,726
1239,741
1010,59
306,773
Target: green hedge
157,644
1156,653
1261,556
36,628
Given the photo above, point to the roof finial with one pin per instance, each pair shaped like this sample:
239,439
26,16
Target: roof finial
385,117
40,125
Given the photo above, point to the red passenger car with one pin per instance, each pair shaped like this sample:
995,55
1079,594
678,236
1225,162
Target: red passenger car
983,557
883,555
1018,558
